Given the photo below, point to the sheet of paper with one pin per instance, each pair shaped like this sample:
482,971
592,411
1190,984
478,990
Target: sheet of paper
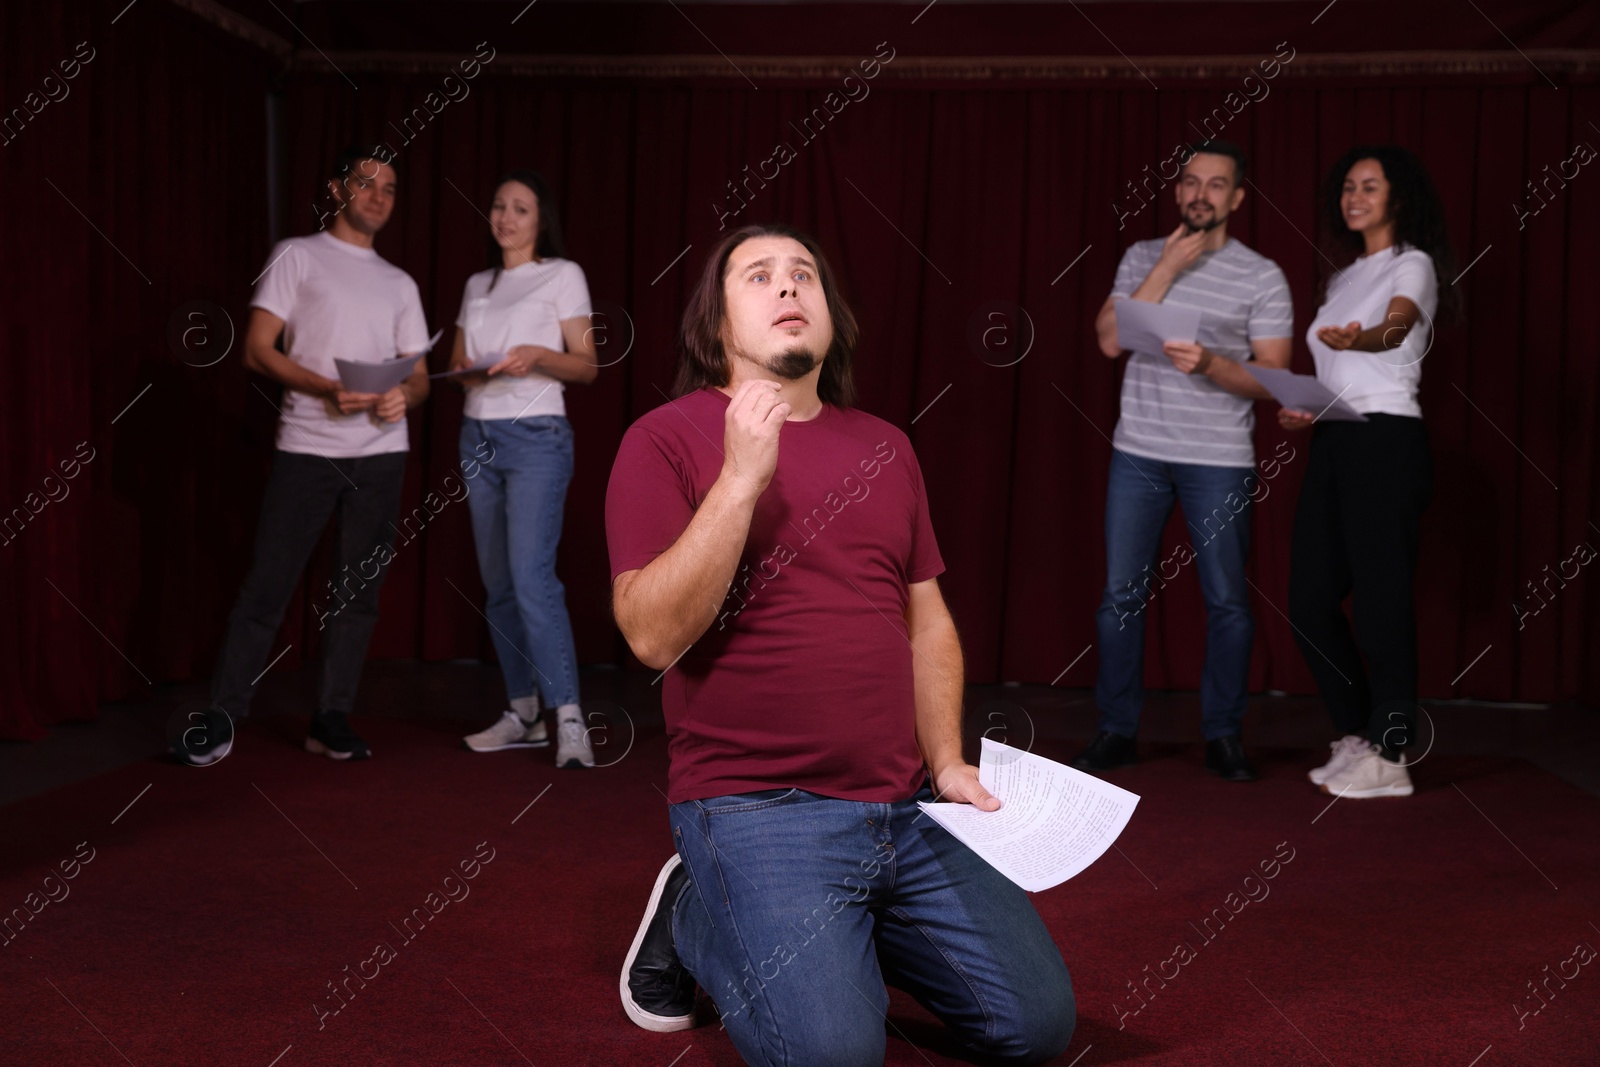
1053,821
480,367
1303,392
1145,327
375,377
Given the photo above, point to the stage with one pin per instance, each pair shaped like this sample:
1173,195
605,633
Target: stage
228,914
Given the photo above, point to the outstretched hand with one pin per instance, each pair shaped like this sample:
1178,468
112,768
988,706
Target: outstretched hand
1340,338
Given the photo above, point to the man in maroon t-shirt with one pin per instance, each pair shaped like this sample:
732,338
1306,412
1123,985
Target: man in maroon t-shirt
812,692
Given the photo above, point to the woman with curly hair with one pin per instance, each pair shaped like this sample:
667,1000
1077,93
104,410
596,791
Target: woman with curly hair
1357,524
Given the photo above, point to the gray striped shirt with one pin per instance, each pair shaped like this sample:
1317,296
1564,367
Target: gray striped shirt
1186,418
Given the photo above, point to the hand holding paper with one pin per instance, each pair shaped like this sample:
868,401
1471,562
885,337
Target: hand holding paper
378,378
1302,392
1053,821
375,378
477,369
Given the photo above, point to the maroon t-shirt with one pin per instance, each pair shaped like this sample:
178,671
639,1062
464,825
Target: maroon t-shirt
805,677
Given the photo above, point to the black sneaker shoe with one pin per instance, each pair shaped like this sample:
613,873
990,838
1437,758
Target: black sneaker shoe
1106,752
1225,756
657,993
201,737
330,735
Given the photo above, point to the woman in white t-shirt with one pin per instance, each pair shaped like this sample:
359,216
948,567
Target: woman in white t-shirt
523,334
1357,524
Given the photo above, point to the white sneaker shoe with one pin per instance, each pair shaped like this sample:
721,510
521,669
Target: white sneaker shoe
572,744
1346,751
1370,776
508,732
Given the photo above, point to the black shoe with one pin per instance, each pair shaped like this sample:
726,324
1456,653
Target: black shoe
657,993
1225,756
201,737
330,735
1107,751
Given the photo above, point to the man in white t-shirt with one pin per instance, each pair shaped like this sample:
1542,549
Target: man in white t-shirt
328,296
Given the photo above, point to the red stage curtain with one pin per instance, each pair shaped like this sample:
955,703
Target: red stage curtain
140,188
938,199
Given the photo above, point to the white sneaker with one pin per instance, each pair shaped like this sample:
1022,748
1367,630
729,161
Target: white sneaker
572,744
1370,776
509,731
1346,750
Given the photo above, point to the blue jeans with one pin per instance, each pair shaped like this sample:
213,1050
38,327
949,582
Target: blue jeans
801,907
1216,506
516,497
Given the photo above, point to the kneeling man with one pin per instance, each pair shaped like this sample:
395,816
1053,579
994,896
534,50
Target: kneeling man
771,552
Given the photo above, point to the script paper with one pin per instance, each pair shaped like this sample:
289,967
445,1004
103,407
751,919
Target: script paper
375,377
1053,821
480,367
1303,392
1145,327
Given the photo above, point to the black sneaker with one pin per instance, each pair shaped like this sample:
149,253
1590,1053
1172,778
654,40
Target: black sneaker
657,993
201,737
1106,752
1225,756
330,735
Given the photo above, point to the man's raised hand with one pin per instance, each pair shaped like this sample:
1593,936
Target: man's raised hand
750,436
1181,249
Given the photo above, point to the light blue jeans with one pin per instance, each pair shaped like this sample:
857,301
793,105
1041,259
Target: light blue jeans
516,499
1216,507
801,907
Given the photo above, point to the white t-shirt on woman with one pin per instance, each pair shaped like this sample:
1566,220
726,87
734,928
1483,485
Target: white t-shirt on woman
525,307
1386,381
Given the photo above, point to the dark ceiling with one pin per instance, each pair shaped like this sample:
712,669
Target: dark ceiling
1130,27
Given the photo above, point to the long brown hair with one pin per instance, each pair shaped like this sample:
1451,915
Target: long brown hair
549,242
702,360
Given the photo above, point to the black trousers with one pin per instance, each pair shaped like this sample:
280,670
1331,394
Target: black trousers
1356,532
303,491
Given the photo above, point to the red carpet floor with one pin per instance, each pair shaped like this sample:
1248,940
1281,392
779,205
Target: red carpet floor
212,914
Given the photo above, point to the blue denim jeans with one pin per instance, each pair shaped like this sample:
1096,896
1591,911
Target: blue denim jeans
516,498
802,907
1216,507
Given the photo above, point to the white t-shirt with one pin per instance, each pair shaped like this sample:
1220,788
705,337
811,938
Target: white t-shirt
1384,381
338,300
526,307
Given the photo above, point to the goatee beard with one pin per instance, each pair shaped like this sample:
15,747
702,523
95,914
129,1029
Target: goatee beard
793,364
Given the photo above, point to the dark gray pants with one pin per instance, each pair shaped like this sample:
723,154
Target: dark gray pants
302,492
